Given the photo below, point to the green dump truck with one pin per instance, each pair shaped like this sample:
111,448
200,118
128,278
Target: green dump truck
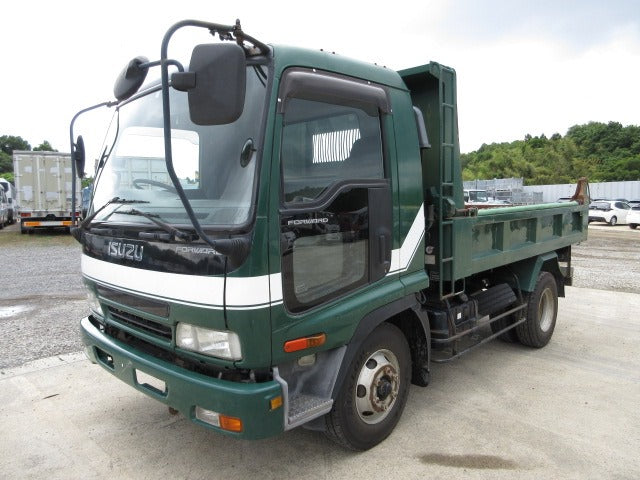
289,245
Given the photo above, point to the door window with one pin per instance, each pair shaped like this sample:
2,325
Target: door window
325,143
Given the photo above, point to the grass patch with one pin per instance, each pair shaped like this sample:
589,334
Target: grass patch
11,236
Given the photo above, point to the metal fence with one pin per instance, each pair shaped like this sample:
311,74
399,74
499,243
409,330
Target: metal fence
513,190
510,190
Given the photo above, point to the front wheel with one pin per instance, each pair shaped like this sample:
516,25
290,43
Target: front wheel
374,392
542,310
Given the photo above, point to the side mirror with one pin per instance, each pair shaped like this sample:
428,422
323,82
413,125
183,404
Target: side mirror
78,156
215,83
131,78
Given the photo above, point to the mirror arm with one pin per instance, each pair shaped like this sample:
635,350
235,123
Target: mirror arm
225,247
108,104
156,63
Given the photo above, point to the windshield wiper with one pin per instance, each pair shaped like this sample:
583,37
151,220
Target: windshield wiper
86,223
173,231
117,200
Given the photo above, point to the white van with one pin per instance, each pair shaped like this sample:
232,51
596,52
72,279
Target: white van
12,207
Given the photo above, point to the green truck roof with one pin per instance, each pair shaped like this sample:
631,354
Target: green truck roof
287,56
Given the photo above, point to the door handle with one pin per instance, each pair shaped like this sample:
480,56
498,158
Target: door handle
382,251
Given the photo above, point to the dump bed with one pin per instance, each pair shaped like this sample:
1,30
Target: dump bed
493,238
465,241
501,236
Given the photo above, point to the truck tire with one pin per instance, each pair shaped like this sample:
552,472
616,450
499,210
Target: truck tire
374,391
542,310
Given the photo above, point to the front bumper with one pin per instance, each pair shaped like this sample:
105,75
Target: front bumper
184,390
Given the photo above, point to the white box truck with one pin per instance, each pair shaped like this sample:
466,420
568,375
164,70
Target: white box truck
43,183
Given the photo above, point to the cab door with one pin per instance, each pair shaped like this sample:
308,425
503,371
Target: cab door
335,206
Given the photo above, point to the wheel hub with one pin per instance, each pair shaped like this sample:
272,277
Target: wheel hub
377,386
384,388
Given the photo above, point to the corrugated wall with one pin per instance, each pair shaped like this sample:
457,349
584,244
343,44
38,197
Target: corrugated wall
611,190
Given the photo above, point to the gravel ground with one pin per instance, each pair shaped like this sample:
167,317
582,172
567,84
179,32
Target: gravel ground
609,259
42,298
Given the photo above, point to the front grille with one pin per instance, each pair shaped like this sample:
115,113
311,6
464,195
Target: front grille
148,305
139,323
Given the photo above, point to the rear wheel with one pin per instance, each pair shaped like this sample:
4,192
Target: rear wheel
613,221
633,225
542,310
374,392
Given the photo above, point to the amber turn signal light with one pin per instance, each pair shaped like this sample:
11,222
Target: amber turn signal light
231,424
305,342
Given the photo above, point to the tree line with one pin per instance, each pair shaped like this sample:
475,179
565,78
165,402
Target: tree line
9,143
602,152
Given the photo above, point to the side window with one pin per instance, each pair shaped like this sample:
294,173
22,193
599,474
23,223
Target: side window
323,143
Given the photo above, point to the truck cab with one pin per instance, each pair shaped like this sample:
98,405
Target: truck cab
476,196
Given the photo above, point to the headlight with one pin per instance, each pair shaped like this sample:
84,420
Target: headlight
94,303
214,343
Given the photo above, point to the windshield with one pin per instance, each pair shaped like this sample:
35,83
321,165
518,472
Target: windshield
216,164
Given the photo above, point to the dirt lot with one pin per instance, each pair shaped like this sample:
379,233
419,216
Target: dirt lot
609,259
566,412
43,299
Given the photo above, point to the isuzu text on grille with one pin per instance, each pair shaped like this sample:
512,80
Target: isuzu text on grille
129,251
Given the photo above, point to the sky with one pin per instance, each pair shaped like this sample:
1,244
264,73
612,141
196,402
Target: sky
524,67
